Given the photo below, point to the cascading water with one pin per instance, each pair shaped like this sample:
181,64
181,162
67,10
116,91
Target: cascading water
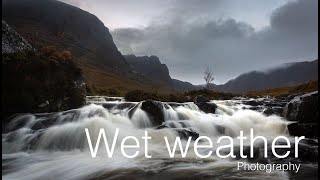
54,145
140,118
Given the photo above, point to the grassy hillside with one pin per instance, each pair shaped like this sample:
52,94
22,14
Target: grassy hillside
53,23
41,81
285,91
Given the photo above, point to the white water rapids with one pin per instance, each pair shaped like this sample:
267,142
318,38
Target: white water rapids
54,146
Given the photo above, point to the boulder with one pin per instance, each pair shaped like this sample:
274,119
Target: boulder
309,130
183,133
200,99
155,111
204,104
273,111
304,111
186,133
253,103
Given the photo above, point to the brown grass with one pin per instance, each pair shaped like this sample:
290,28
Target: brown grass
107,82
285,91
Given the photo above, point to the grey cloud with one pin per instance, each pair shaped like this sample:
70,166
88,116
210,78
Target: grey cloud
296,17
229,46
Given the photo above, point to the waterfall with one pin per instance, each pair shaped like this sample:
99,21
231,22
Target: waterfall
140,118
169,113
33,141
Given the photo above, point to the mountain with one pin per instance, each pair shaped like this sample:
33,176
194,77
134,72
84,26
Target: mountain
285,75
46,23
51,23
183,85
54,23
290,74
151,67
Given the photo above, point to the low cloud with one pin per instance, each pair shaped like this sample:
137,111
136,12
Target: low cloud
230,47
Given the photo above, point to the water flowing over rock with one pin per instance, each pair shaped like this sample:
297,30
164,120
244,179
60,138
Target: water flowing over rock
204,104
154,110
31,141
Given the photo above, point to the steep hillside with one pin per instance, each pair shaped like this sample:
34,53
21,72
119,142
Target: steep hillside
53,23
290,75
183,85
46,23
42,80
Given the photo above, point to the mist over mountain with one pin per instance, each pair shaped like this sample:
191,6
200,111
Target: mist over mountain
290,75
46,23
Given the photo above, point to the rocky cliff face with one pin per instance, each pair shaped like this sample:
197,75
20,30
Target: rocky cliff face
42,80
54,23
151,67
46,23
12,42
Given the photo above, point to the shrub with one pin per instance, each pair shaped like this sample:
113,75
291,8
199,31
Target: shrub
32,78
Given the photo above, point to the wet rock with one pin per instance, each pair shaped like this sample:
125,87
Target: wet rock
304,110
183,132
204,104
256,108
307,152
253,103
309,130
220,129
200,99
125,105
273,111
207,107
175,124
186,133
155,111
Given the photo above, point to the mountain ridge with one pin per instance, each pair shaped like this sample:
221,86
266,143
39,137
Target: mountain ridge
54,23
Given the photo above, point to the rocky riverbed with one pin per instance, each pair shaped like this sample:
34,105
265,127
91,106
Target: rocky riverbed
57,141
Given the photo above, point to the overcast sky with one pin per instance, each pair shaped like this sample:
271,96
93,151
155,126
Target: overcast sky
230,36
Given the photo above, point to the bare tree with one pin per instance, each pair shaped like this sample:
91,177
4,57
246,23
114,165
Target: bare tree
208,76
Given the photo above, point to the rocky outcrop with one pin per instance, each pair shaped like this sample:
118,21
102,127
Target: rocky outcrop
151,67
277,110
12,42
154,110
204,104
48,79
303,111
